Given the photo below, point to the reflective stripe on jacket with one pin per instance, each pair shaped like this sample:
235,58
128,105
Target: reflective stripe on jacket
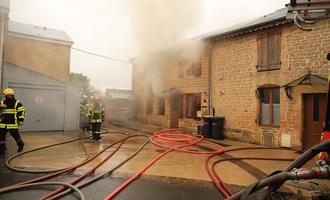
12,114
97,112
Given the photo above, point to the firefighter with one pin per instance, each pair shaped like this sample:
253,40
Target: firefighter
97,117
84,114
12,117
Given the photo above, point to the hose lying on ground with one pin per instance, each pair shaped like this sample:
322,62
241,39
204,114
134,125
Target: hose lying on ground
218,182
104,174
10,159
91,171
297,163
8,189
78,165
166,136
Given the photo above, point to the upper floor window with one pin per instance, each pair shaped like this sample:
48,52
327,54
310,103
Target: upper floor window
187,68
270,106
269,51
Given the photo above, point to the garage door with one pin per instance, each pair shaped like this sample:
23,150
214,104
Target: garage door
44,108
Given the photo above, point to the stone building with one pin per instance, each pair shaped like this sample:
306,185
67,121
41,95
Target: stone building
266,77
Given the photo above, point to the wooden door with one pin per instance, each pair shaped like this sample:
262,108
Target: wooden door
314,118
176,109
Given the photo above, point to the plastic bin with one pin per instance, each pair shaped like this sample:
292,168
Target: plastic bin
217,126
206,129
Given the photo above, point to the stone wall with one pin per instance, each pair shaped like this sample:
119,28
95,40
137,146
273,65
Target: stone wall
236,80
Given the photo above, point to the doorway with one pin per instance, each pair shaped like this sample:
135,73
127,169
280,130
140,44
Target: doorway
314,118
176,110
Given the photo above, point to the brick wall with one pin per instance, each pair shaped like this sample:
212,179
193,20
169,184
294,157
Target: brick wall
47,58
235,81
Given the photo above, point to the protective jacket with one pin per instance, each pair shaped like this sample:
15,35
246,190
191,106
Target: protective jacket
12,115
96,112
84,109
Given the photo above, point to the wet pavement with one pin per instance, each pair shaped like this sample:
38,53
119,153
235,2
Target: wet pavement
176,176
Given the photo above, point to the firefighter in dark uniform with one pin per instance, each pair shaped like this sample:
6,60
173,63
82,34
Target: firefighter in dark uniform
97,117
12,117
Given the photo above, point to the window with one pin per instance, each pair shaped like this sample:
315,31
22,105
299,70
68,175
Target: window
193,104
187,68
269,106
150,102
269,51
181,70
161,106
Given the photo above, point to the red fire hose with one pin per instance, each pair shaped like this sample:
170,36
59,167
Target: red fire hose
158,139
218,182
88,173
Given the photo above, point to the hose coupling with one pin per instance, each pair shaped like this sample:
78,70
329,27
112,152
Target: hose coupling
320,172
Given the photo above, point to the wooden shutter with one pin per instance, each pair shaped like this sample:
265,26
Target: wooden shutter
274,50
262,52
277,48
269,51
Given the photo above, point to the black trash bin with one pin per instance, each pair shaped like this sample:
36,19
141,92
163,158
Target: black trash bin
206,129
217,126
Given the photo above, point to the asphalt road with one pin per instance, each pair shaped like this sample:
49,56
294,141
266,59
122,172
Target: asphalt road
141,189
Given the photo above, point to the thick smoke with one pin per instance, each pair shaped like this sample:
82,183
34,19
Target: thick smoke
159,28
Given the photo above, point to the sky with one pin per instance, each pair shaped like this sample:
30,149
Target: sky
109,28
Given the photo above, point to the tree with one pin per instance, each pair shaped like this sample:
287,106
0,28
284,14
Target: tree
81,81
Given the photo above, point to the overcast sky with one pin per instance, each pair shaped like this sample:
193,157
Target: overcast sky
106,27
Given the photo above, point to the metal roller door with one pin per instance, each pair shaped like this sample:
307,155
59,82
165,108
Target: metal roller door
45,108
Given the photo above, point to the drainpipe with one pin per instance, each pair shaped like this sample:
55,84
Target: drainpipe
210,107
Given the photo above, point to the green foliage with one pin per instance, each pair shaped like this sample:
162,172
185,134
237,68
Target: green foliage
81,81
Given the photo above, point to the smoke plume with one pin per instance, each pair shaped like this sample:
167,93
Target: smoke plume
158,27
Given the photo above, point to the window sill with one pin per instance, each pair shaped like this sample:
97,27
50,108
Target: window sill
269,126
268,67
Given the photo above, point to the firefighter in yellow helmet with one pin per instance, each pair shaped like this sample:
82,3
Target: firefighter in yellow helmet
84,120
12,117
97,116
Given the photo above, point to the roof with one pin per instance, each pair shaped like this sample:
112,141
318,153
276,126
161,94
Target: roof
39,32
277,16
120,94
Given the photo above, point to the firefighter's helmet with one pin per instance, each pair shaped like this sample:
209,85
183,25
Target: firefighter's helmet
8,91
